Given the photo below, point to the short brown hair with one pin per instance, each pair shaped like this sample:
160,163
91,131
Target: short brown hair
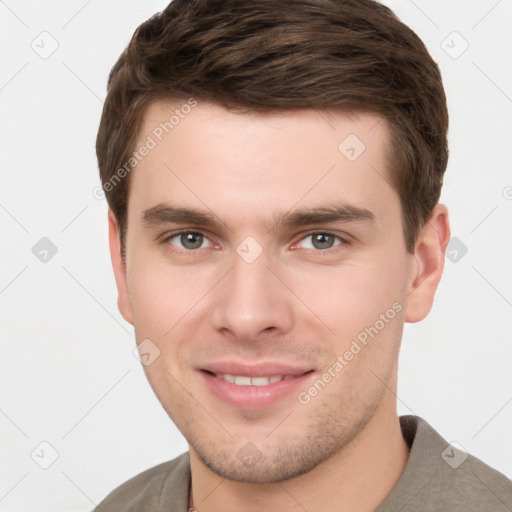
270,55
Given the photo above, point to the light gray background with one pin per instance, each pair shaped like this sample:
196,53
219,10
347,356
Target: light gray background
68,374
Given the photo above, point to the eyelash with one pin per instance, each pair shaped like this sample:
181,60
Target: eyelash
343,241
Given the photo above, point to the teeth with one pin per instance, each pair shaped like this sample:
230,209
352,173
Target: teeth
243,380
260,381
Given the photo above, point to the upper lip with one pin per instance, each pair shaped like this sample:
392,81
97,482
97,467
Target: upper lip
262,369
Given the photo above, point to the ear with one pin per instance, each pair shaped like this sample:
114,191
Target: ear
119,265
428,264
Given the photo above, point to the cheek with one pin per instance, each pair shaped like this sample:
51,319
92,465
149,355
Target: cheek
350,297
165,297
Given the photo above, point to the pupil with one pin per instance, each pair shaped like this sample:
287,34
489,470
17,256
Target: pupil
191,240
322,241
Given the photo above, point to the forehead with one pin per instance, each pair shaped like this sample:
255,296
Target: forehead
205,155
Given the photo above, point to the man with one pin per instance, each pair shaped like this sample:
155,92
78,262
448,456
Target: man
273,171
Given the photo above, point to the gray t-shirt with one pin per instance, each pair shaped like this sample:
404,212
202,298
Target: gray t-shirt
437,477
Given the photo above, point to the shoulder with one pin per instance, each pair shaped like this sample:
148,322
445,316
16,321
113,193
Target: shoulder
442,476
157,488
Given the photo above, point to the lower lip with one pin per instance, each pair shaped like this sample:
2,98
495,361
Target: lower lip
253,397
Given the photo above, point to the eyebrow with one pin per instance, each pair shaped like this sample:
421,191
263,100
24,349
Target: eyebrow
322,215
165,214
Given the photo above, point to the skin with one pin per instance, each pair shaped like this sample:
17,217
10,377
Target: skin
296,303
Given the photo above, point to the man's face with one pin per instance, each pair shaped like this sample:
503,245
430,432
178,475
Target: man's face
303,253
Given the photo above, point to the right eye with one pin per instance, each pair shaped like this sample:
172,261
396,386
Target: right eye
187,241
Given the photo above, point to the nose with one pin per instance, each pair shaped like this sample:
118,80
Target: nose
251,301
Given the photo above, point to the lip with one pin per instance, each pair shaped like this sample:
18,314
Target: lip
254,397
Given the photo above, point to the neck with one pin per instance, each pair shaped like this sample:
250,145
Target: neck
356,479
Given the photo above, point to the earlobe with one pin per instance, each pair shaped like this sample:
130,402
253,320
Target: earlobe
119,267
428,265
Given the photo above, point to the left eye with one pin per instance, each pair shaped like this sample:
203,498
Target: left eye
190,240
320,241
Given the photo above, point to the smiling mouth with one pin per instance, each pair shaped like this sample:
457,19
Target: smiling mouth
255,387
244,380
